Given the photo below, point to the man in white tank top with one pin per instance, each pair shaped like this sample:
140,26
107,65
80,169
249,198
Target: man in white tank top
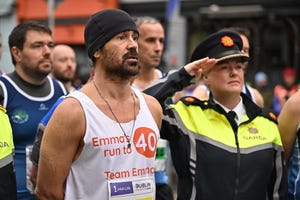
101,141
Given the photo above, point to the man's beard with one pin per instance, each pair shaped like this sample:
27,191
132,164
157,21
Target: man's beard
124,69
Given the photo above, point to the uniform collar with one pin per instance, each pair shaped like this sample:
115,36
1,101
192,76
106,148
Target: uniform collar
239,109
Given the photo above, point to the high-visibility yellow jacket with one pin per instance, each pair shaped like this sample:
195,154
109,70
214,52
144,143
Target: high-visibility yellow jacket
8,186
215,158
6,139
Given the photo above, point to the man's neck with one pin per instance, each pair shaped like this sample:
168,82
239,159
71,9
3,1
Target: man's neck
32,79
31,89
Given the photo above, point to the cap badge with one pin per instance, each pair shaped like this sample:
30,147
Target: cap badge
227,41
253,130
189,99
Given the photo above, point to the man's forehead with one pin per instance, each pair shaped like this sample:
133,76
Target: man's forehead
34,35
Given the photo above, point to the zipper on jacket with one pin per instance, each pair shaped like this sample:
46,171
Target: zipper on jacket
238,162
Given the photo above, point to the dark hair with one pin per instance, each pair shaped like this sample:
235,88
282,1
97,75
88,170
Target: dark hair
18,35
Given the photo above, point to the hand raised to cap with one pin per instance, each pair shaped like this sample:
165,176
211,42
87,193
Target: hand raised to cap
198,67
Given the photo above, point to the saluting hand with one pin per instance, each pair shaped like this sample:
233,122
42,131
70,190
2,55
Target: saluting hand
198,67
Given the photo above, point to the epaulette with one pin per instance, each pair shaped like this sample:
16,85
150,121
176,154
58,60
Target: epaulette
2,109
190,100
269,114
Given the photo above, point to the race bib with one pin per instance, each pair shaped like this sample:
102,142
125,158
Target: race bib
137,189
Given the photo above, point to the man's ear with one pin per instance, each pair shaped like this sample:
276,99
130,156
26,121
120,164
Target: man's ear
97,54
16,53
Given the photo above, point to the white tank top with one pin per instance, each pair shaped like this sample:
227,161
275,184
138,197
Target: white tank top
106,168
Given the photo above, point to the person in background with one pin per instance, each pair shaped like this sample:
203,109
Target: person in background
64,65
284,90
151,45
261,80
112,141
8,186
289,127
226,147
28,92
262,85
